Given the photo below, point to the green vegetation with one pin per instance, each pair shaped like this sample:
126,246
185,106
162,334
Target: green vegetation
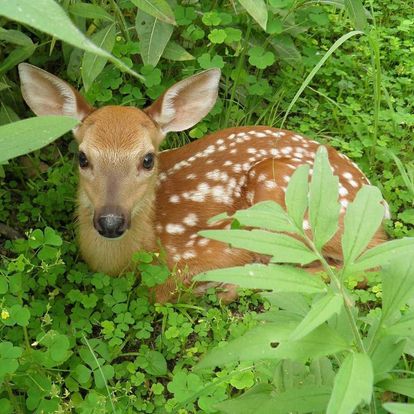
77,341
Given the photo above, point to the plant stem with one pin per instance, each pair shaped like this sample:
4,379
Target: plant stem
12,397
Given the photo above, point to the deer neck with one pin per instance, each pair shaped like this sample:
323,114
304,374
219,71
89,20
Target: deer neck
113,257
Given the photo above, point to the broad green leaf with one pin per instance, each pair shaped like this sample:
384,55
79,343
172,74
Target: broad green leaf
353,385
92,64
30,134
274,277
286,49
322,371
173,51
362,219
90,11
17,56
153,35
82,373
15,36
56,23
160,9
386,354
297,195
404,327
397,285
102,375
267,215
383,254
282,248
356,13
322,341
257,9
399,408
323,200
301,400
320,312
157,365
404,386
254,345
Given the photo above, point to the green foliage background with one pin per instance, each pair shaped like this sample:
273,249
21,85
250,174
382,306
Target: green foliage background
74,341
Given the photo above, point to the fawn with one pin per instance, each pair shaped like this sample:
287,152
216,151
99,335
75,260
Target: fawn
132,197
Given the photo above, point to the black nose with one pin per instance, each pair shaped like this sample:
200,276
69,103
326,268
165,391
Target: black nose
111,225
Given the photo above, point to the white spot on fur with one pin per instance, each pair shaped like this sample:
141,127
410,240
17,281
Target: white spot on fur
189,255
174,228
203,242
174,199
191,219
191,176
343,191
347,175
270,184
228,163
353,183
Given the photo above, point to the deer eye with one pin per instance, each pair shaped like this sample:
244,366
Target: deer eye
148,161
83,160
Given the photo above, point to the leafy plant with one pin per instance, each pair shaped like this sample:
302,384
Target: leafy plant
330,325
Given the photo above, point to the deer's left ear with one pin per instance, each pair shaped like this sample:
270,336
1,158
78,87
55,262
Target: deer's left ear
186,102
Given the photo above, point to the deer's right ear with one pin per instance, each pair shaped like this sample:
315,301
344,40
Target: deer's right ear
46,94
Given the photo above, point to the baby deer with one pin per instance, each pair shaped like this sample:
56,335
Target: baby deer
133,197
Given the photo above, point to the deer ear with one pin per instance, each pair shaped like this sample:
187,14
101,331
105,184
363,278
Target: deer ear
46,94
186,102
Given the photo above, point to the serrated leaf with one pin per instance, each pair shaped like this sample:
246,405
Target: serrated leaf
282,248
353,384
297,195
159,9
92,64
356,13
383,254
362,220
154,35
273,277
323,200
320,312
257,9
173,51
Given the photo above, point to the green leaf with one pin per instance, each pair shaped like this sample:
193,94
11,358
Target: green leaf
20,315
397,285
301,400
386,354
257,9
82,373
57,24
353,384
47,253
173,51
260,58
4,286
153,35
323,200
320,342
102,375
297,195
51,237
283,248
254,345
58,347
404,386
267,215
404,327
362,219
399,408
159,9
31,134
157,365
356,13
15,57
90,11
15,36
320,312
383,254
92,64
285,49
273,277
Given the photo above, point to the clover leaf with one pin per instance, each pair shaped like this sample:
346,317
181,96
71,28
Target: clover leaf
260,58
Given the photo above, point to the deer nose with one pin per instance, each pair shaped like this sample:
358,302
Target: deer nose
111,225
